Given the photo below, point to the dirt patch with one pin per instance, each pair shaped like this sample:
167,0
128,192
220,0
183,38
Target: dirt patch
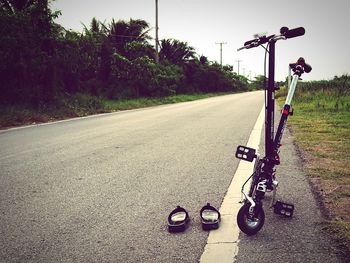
334,197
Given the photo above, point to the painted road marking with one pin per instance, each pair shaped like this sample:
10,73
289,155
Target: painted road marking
222,244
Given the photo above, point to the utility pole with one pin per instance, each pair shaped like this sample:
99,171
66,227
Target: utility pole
157,47
221,43
238,61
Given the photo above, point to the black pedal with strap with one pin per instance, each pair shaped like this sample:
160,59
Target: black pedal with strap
284,209
245,153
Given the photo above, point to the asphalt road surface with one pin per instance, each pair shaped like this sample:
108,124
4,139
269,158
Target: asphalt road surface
99,189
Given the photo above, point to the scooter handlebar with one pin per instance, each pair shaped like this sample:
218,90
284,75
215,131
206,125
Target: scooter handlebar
285,33
290,33
300,66
255,42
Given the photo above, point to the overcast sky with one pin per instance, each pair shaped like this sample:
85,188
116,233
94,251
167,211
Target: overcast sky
202,23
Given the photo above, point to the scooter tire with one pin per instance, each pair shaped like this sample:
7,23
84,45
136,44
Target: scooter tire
248,226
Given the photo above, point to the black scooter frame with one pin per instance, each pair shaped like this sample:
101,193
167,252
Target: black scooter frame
251,216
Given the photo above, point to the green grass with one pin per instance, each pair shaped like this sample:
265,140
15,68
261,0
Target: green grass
321,128
341,230
116,105
82,105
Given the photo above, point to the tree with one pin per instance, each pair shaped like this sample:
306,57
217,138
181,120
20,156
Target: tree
175,51
27,57
15,6
137,49
95,26
203,60
97,30
121,33
258,83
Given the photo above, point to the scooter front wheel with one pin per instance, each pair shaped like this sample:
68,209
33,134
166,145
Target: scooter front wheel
250,223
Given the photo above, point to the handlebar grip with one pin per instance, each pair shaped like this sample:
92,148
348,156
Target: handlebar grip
307,68
247,43
295,32
256,42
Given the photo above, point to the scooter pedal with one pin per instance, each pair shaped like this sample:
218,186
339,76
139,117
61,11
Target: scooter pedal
245,153
284,209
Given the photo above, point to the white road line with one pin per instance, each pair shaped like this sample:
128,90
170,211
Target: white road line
222,244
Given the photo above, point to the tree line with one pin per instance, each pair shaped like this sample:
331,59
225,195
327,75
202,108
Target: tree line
41,62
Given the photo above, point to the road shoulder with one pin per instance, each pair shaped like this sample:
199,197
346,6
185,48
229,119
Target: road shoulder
299,239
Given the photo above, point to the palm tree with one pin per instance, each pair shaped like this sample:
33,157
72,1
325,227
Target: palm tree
139,29
122,32
175,51
97,31
95,26
14,6
203,60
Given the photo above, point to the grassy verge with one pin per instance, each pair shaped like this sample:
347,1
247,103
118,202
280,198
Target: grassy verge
321,127
117,105
82,105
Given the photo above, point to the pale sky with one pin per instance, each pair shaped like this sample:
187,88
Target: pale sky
202,23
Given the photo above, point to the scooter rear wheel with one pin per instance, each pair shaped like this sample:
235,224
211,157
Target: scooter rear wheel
250,224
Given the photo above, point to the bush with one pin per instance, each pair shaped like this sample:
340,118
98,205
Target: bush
41,63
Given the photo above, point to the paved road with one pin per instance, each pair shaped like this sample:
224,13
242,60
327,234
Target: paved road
99,189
